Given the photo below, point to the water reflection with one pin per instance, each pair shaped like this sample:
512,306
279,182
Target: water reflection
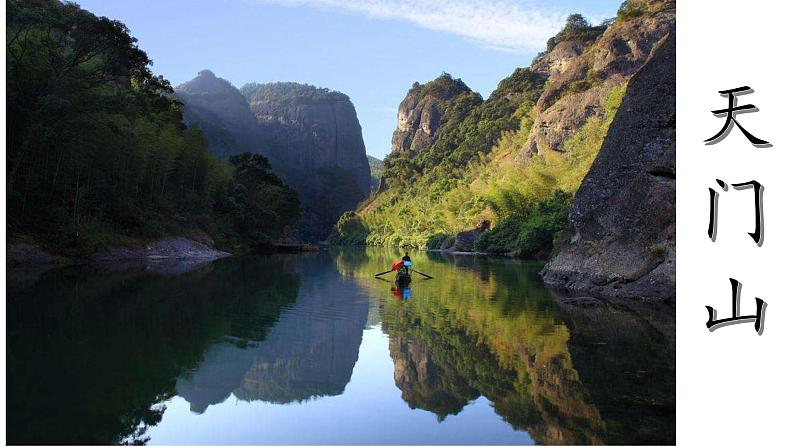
564,373
92,353
310,351
104,357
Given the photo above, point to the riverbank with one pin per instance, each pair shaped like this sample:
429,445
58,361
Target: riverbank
199,249
29,252
455,252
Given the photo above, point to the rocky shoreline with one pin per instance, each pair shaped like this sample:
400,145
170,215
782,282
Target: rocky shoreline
168,248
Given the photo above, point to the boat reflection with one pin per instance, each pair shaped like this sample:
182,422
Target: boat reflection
401,293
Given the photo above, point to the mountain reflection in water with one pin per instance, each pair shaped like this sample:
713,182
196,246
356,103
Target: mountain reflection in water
107,357
309,352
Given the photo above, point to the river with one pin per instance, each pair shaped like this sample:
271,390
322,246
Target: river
312,349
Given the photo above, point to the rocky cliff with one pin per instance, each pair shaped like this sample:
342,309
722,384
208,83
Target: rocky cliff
584,68
426,112
421,113
621,237
311,136
314,140
310,129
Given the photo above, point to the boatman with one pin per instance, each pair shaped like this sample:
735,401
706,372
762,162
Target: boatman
407,262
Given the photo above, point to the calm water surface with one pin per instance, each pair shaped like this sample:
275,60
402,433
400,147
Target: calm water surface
311,349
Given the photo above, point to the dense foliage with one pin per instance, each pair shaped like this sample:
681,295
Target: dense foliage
576,27
349,230
290,92
471,174
259,206
533,232
97,151
470,125
634,8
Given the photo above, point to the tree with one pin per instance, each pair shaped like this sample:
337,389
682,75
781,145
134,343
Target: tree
576,21
97,148
258,204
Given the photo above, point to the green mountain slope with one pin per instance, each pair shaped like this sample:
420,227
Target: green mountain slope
516,158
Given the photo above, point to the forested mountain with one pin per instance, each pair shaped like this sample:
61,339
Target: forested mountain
97,152
311,135
516,158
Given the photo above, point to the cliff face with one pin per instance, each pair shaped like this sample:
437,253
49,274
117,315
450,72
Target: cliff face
310,129
421,113
311,136
582,71
621,237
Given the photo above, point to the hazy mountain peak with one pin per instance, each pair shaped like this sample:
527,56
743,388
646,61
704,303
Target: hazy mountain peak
311,135
206,83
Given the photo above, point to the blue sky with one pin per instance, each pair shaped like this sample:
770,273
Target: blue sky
372,50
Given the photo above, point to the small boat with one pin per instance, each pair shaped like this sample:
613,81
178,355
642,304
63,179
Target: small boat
403,277
403,270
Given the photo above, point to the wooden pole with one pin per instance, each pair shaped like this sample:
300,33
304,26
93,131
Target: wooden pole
426,276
